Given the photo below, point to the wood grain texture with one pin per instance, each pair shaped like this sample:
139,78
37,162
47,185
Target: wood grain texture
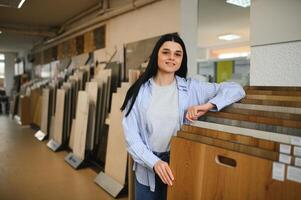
266,135
253,125
274,97
274,92
80,133
103,79
270,114
45,111
59,116
35,106
280,109
196,163
236,138
257,119
71,140
67,109
271,102
115,166
250,150
24,110
91,88
274,88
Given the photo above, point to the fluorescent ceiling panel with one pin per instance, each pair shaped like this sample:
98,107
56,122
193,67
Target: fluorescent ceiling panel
21,3
241,3
229,37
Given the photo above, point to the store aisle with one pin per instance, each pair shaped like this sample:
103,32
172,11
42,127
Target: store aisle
30,171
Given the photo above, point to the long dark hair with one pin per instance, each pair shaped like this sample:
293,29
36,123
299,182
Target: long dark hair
152,68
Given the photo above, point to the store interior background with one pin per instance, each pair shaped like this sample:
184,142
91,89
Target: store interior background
267,52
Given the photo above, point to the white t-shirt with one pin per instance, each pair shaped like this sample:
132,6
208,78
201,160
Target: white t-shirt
163,116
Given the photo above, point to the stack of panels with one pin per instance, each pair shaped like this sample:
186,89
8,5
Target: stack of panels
35,106
81,122
47,104
273,96
103,79
279,119
92,89
115,166
24,110
59,116
87,128
63,105
250,150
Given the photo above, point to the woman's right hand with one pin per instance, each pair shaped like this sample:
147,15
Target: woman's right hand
164,172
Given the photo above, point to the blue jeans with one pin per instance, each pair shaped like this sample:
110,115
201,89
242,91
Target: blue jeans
143,192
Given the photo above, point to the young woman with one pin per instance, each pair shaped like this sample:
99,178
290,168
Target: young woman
157,104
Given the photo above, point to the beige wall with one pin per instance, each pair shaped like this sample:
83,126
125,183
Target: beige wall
153,20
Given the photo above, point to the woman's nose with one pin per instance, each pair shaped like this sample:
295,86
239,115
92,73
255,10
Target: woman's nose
171,57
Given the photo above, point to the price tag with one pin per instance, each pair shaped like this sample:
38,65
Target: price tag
298,162
285,158
53,145
297,151
294,174
284,148
40,135
278,171
296,140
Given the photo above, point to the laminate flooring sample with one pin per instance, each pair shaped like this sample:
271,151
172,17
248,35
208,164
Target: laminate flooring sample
45,110
59,116
92,89
115,166
80,133
205,172
71,140
290,110
276,137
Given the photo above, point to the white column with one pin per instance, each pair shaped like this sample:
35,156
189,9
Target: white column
188,32
9,71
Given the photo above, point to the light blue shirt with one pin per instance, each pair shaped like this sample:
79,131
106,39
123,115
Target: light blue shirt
191,92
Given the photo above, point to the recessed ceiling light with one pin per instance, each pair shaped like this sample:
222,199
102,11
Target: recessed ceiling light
241,3
21,3
229,37
234,55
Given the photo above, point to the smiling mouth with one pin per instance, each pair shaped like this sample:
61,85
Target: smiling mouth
170,64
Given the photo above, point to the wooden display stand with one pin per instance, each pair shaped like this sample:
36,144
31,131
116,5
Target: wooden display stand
216,173
113,177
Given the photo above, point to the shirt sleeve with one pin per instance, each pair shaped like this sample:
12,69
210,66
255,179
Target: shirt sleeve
135,145
221,95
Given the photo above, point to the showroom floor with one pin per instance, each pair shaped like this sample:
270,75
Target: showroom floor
31,171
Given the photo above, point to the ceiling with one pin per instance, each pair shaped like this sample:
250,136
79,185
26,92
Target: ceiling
22,28
216,17
37,18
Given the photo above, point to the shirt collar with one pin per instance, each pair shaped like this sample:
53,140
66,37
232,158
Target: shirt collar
181,83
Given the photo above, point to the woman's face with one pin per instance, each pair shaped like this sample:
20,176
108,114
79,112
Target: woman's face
170,57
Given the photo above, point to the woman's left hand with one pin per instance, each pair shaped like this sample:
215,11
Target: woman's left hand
194,112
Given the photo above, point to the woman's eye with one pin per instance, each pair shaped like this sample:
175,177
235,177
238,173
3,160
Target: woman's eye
178,54
164,52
